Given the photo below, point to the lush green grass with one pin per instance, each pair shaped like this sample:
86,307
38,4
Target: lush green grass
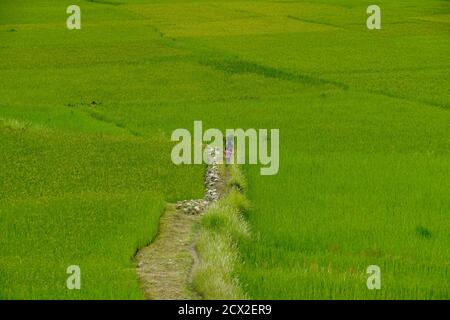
75,186
363,116
77,199
220,230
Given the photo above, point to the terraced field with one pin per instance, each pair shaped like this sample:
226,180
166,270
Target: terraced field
86,117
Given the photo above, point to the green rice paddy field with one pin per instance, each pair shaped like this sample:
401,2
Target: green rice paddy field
364,117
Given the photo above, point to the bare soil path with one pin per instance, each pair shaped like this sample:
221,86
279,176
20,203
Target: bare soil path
165,266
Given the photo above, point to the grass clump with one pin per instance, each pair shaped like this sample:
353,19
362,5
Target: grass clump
236,179
220,229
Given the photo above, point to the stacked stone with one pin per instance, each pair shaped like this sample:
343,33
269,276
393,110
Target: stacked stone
212,180
192,206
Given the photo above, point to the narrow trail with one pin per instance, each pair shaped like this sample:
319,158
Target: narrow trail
165,266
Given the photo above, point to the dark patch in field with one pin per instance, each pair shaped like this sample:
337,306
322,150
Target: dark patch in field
423,232
312,21
334,249
113,3
92,104
241,67
11,30
373,253
94,114
443,105
100,117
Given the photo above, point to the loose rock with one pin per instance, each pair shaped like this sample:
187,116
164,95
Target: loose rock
212,182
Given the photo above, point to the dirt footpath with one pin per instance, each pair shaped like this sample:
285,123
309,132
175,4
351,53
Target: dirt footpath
164,267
